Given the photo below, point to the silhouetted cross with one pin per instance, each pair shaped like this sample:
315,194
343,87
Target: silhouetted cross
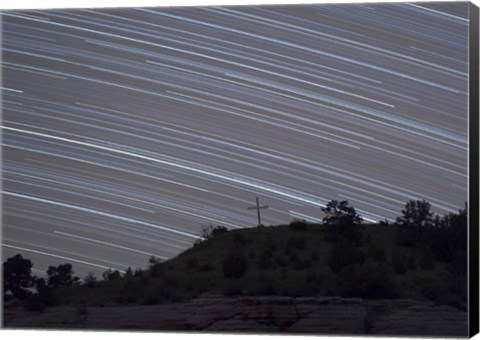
258,207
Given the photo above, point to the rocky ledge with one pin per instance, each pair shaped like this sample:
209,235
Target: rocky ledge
329,315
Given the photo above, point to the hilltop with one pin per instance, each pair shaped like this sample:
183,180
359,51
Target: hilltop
281,261
284,277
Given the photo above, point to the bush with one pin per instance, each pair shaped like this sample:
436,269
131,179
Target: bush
377,253
82,310
427,259
129,292
372,280
344,254
262,284
298,225
111,275
90,280
210,232
239,238
265,260
315,277
207,267
232,288
35,303
234,265
156,270
303,265
280,261
411,262
299,242
432,288
399,263
192,263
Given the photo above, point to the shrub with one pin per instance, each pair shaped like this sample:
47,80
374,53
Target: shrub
156,270
344,254
315,277
239,238
82,310
90,280
299,242
280,261
265,262
210,232
232,288
207,267
378,281
377,253
433,288
411,262
111,275
399,263
129,292
372,280
303,265
192,263
234,265
298,225
427,259
35,303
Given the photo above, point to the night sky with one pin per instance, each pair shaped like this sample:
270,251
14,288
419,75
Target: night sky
126,131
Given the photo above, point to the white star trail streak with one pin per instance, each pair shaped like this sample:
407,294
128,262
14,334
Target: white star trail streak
126,131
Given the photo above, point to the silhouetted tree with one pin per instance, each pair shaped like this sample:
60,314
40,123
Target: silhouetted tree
209,232
111,274
414,223
416,213
340,213
17,277
90,280
342,220
449,237
61,276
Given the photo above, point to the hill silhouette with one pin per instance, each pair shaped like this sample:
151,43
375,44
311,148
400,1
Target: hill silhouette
419,257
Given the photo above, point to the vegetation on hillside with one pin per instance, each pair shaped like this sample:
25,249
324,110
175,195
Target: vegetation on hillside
420,256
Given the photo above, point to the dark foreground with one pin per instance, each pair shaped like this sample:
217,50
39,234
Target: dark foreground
330,315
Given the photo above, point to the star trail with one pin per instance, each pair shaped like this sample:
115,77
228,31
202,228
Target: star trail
126,131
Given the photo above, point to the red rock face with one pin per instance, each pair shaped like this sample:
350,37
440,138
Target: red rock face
328,315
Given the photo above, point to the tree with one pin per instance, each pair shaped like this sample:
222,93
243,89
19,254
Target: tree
342,220
111,274
449,236
90,280
210,232
416,213
416,219
61,276
340,213
17,277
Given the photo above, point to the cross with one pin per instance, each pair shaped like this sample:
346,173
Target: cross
258,207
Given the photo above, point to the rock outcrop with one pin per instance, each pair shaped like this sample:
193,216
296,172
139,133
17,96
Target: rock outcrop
329,315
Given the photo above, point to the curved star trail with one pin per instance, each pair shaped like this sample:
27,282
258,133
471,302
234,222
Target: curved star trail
126,130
